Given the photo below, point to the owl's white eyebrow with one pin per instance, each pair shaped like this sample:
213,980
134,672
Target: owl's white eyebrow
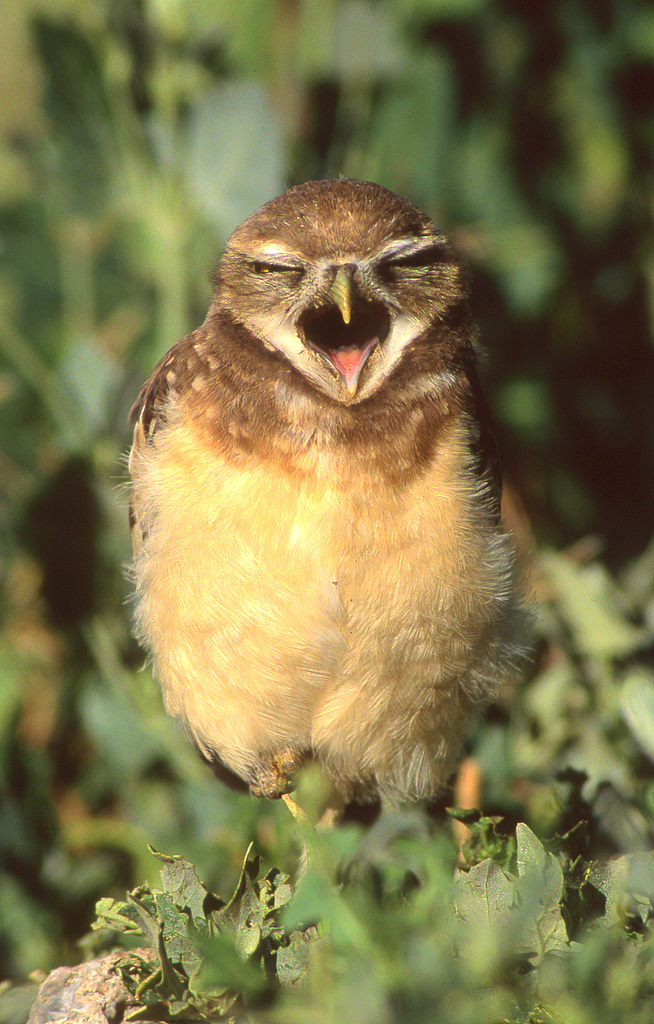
407,246
275,252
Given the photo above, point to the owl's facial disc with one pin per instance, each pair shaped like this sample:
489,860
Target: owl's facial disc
342,323
345,346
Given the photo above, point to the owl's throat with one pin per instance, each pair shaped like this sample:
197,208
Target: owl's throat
345,347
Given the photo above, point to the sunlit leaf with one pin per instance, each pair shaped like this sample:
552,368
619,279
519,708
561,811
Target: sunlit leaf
540,889
591,604
234,159
627,883
485,897
179,878
90,376
292,960
637,703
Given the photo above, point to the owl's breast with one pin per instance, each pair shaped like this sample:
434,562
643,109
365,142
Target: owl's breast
277,605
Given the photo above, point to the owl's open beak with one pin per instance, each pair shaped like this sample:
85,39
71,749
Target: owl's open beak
346,330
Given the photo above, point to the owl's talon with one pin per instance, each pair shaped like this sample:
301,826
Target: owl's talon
273,777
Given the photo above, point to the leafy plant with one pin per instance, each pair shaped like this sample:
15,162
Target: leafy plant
395,921
211,955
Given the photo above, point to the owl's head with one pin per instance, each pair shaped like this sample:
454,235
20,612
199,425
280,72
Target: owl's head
343,279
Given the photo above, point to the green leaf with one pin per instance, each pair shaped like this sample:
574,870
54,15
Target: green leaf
485,896
166,978
637,705
120,915
292,960
148,923
180,880
318,899
231,127
242,918
593,608
627,883
279,886
486,839
178,934
521,915
530,853
540,889
223,967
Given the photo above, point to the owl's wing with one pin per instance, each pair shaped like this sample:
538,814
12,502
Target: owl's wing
170,376
146,411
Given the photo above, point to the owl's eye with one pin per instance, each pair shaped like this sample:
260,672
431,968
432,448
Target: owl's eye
260,267
424,257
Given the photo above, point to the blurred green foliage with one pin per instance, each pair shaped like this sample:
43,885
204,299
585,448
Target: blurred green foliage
133,137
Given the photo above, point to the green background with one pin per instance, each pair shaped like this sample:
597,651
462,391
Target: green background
133,138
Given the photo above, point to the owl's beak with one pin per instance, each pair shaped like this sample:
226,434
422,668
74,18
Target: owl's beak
346,329
341,293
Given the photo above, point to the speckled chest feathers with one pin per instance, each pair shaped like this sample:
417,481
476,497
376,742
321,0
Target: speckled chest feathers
321,570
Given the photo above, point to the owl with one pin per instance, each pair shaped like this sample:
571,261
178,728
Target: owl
321,571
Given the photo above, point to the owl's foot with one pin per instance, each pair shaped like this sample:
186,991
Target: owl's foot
272,776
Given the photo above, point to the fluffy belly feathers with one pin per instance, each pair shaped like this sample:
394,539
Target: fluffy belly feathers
322,612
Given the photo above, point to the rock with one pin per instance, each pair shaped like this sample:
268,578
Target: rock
92,993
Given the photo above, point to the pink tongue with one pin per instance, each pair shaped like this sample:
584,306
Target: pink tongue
347,361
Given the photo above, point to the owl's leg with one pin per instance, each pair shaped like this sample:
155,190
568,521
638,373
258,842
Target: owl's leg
272,775
467,796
